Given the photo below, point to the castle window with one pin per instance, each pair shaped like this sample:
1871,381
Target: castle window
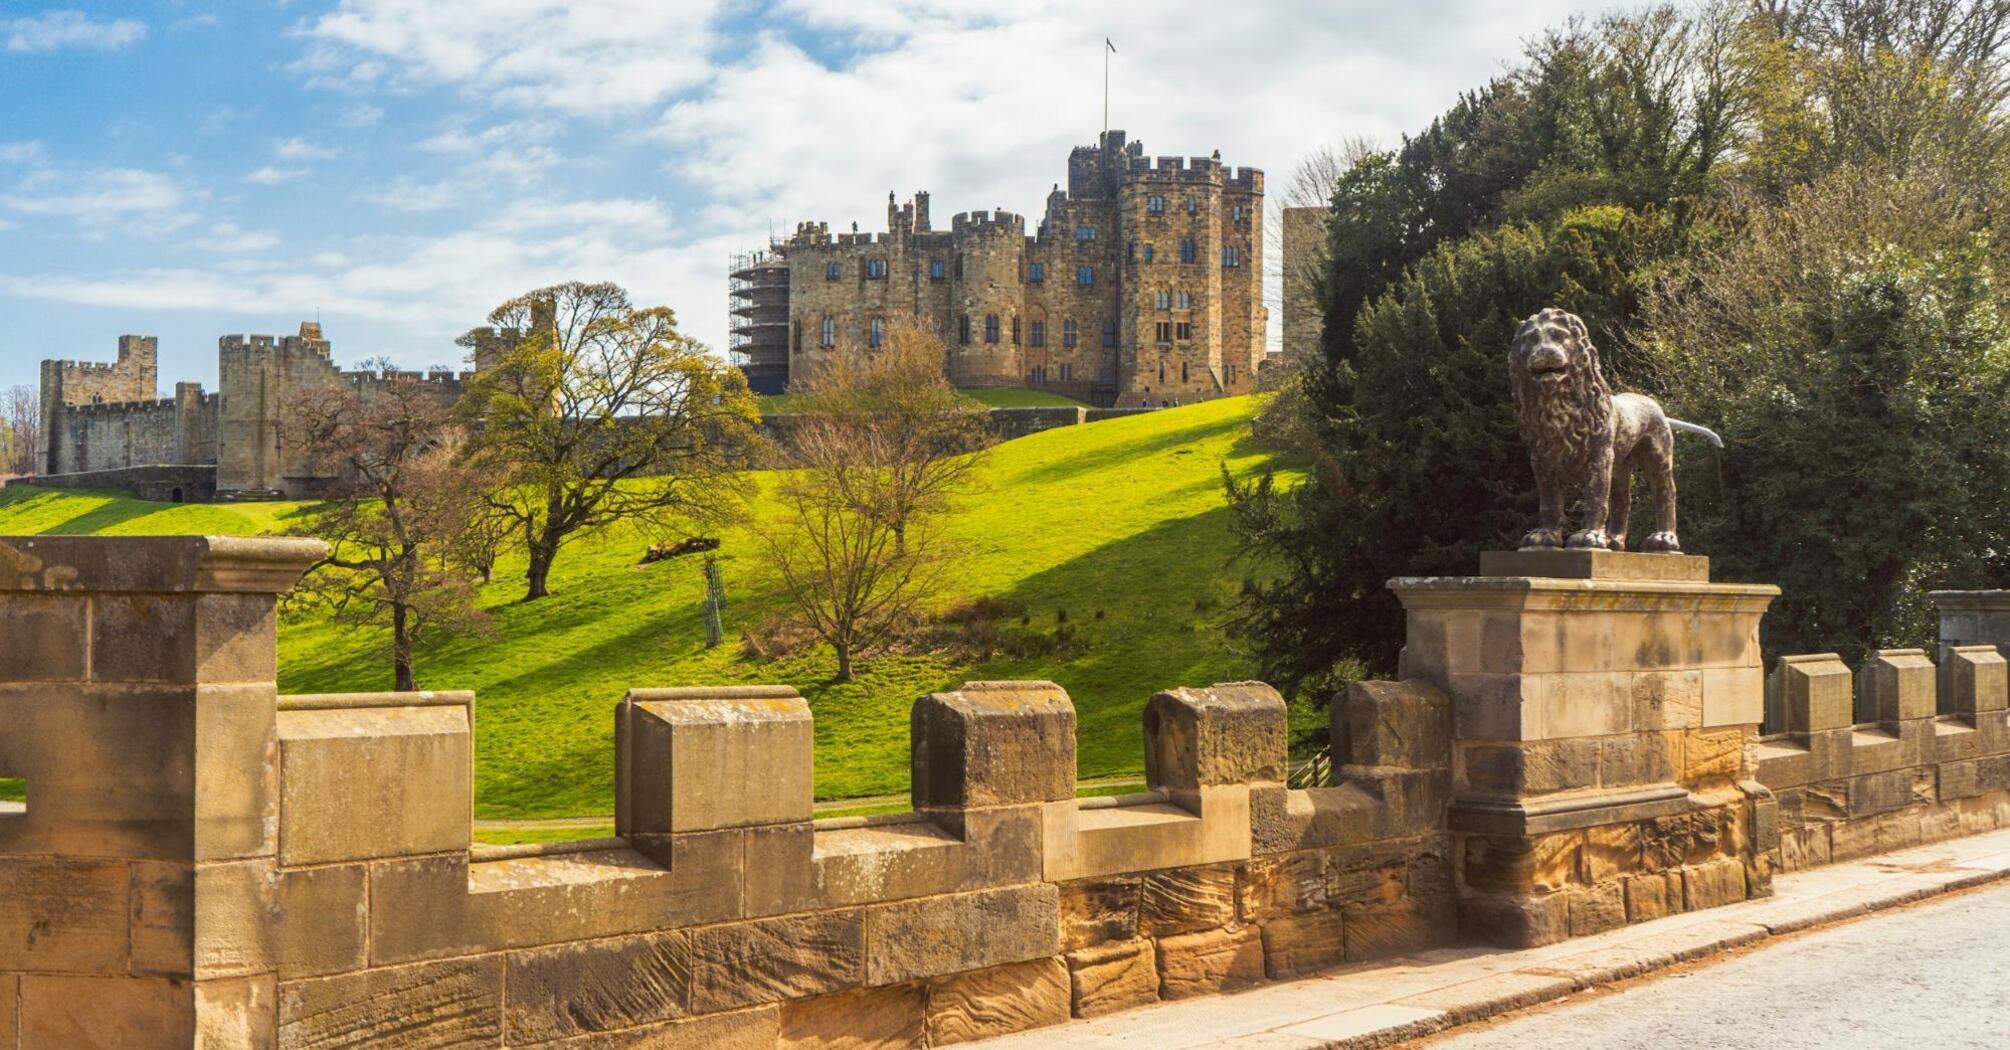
935,269
1163,330
1068,333
875,269
1162,372
1109,333
1236,213
1162,300
1067,372
1036,333
1231,257
876,334
1038,375
1085,276
1192,206
1155,204
1015,331
1187,252
1231,372
963,329
796,336
959,267
1182,371
827,333
1185,300
1036,272
833,271
1148,253
990,328
1184,330
1085,233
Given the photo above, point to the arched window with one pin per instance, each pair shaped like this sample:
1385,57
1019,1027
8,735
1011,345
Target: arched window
1068,333
990,328
833,271
876,334
1085,276
875,269
963,329
827,334
1187,252
1148,253
1185,300
1015,331
1162,300
1036,333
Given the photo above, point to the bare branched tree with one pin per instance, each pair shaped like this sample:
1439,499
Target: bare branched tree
21,430
399,501
880,446
596,411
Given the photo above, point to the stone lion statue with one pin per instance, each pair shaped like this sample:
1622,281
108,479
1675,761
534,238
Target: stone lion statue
1579,432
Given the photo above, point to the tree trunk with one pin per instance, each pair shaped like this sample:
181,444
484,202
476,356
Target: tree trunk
540,569
401,648
844,662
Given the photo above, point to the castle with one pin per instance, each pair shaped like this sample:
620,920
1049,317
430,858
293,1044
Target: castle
1141,286
103,425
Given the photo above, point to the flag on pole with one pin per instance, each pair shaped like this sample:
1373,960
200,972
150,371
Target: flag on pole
1112,47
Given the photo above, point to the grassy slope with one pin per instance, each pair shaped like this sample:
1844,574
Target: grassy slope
1124,518
1010,397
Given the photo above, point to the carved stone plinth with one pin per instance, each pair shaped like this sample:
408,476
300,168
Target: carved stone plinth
1604,705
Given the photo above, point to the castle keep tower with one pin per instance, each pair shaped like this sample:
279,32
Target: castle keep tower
1140,285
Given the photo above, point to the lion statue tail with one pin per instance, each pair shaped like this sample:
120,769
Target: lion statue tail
1703,432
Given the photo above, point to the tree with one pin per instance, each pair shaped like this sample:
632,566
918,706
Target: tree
397,503
879,447
21,430
1852,347
594,411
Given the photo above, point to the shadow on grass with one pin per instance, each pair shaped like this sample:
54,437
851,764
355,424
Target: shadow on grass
1064,468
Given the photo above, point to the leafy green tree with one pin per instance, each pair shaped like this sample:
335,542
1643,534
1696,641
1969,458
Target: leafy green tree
593,411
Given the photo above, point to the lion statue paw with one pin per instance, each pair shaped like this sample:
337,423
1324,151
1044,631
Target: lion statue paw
1662,543
1590,539
1540,539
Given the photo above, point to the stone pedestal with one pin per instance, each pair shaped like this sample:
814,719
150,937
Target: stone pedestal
1605,707
1974,618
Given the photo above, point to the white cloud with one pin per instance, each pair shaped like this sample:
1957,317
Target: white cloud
270,175
299,149
228,238
515,133
28,152
575,55
104,200
360,115
56,30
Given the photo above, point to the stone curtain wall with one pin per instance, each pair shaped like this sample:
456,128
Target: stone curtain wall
1931,761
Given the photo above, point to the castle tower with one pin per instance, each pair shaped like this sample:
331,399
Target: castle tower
66,384
985,333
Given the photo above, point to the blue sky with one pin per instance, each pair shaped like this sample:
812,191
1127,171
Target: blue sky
189,169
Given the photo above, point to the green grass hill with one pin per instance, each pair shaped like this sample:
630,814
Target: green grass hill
1112,538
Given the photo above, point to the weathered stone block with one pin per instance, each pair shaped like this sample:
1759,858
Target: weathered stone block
755,1028
889,862
1521,920
983,1003
1816,692
1710,885
1646,897
1880,793
183,638
966,931
593,986
1406,724
1233,733
238,1012
1510,865
1668,700
163,919
44,633
704,759
1899,684
236,917
1281,819
57,1013
993,744
1734,696
768,960
1712,755
1978,679
1302,944
131,793
63,915
1379,931
1956,780
1209,962
1112,977
1186,899
868,1019
780,871
357,783
451,1003
1005,842
1097,911
323,920
1366,877
1284,884
1597,908
1612,850
10,996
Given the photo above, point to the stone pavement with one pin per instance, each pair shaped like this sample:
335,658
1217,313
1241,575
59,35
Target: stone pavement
1383,1003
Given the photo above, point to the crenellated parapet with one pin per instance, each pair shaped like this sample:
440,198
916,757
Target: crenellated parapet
1897,752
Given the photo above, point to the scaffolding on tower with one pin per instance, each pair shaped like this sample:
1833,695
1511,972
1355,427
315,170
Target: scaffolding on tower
758,301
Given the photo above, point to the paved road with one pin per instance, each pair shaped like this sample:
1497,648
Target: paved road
1937,975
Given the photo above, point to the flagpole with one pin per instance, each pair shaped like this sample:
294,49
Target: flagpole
1106,87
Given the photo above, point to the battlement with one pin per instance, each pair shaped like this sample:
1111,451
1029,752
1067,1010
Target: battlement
117,408
999,220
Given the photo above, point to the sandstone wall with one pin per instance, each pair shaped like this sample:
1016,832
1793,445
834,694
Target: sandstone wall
65,384
1304,257
1897,753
